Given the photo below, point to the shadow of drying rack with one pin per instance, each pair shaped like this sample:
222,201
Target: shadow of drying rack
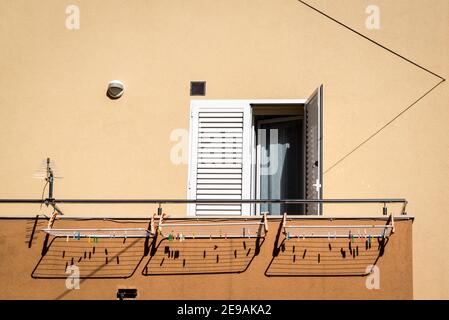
328,250
106,259
206,247
202,256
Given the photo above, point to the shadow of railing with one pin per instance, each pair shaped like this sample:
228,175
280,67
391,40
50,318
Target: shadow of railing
109,258
325,257
31,227
203,256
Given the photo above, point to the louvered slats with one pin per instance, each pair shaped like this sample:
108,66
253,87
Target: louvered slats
219,161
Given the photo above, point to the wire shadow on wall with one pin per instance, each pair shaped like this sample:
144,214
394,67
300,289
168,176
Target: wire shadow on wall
105,258
203,256
210,246
318,257
329,253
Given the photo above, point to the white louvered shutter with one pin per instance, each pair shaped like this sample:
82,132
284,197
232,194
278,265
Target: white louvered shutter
313,132
219,156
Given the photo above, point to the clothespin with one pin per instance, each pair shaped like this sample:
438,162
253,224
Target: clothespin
288,235
210,236
349,235
364,232
226,236
329,237
158,230
74,235
193,235
88,240
180,237
67,238
170,237
335,234
126,234
220,234
352,238
79,235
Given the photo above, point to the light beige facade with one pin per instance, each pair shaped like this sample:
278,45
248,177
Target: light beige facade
53,100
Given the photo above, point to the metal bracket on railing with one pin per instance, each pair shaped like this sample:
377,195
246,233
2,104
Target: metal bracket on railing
56,208
152,229
265,221
284,222
385,210
404,206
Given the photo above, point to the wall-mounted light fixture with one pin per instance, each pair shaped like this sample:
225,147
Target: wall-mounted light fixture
115,89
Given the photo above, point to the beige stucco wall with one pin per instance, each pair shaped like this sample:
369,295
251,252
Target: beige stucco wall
53,82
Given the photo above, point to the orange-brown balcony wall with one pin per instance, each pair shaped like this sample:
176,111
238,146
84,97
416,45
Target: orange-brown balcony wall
247,268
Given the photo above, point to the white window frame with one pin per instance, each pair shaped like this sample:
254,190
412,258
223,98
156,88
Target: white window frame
249,148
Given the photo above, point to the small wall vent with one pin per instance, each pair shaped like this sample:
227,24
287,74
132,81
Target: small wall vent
197,88
123,294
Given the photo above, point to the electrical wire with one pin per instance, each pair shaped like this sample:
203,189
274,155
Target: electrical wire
43,192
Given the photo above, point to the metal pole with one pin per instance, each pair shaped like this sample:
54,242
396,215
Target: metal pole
224,201
191,201
50,179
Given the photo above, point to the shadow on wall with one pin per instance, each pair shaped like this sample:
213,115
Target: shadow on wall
108,258
31,235
111,258
325,257
203,256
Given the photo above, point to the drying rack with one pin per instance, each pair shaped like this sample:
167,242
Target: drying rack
202,230
99,233
292,229
237,229
78,233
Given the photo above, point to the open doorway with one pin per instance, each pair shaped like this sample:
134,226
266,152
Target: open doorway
279,160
